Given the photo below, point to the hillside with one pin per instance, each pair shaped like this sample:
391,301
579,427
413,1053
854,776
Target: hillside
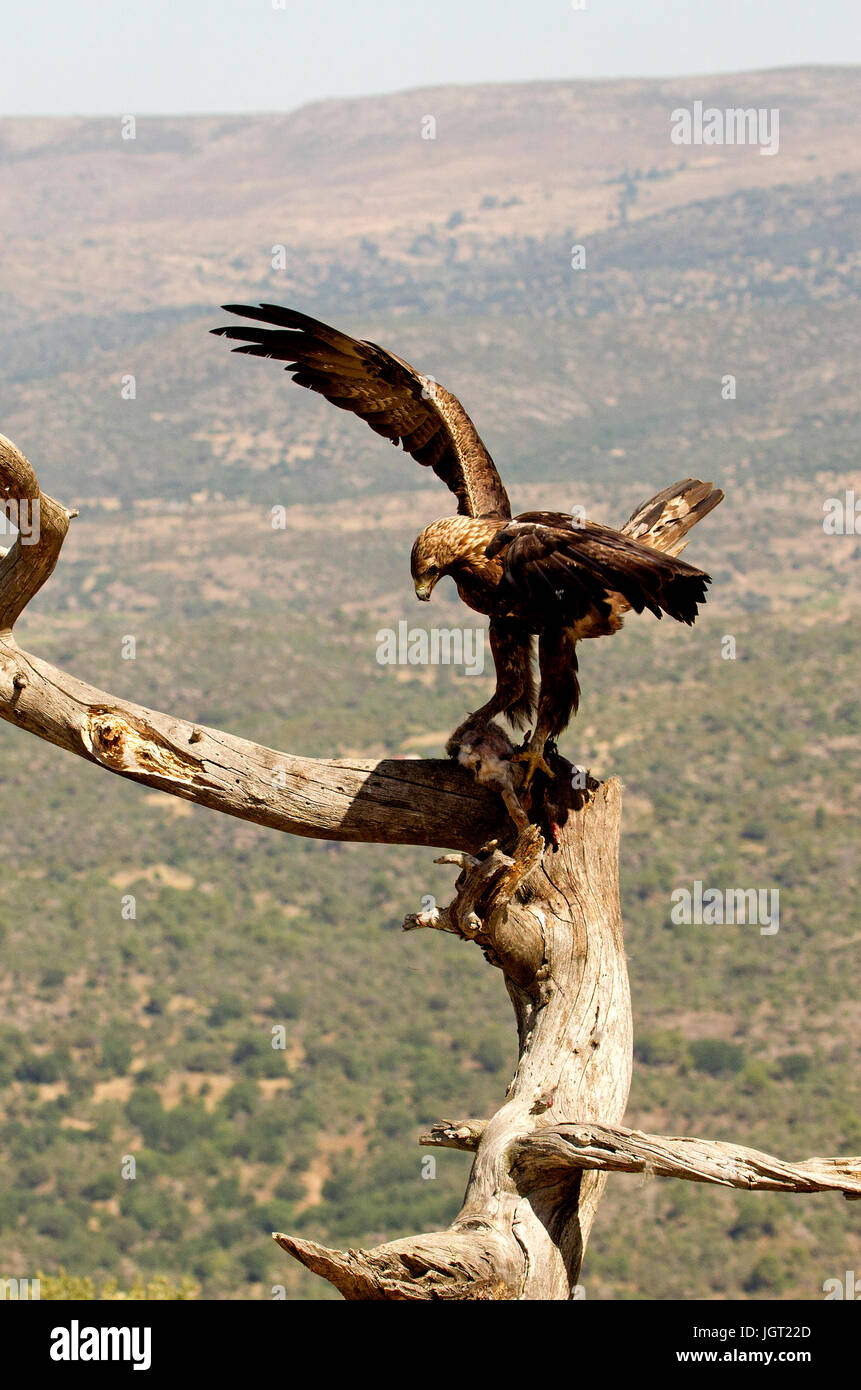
592,386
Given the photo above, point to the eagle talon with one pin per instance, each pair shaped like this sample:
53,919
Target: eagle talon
534,759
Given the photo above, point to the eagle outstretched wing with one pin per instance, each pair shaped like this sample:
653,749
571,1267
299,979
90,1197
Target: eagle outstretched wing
397,401
565,569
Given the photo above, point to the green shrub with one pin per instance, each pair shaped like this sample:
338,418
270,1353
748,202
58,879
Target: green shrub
226,1008
793,1066
716,1056
662,1047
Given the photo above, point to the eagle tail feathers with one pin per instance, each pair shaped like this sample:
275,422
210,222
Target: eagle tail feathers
665,520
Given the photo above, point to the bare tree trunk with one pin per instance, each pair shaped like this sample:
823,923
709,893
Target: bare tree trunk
546,914
551,922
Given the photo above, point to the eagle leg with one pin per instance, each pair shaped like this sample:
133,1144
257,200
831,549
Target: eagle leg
480,744
558,698
514,696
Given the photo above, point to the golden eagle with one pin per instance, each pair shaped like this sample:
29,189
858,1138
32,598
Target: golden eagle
548,575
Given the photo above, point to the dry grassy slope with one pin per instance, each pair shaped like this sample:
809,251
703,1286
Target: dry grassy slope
182,214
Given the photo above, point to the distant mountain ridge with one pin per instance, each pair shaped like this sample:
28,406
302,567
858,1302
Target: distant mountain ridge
147,222
117,254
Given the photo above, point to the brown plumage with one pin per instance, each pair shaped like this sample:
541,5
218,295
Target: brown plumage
390,395
541,574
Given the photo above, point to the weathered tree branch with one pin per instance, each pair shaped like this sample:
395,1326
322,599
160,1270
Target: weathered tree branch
393,801
476,1264
611,1149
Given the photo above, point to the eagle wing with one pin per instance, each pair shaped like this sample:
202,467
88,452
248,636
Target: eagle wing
564,570
396,401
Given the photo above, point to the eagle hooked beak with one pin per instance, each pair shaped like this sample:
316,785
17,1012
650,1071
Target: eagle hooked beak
425,589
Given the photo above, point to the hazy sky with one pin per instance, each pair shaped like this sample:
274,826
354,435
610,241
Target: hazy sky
145,56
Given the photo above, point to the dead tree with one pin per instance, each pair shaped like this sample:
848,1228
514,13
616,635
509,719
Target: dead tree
543,908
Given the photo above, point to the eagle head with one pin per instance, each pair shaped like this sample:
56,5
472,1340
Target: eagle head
455,542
